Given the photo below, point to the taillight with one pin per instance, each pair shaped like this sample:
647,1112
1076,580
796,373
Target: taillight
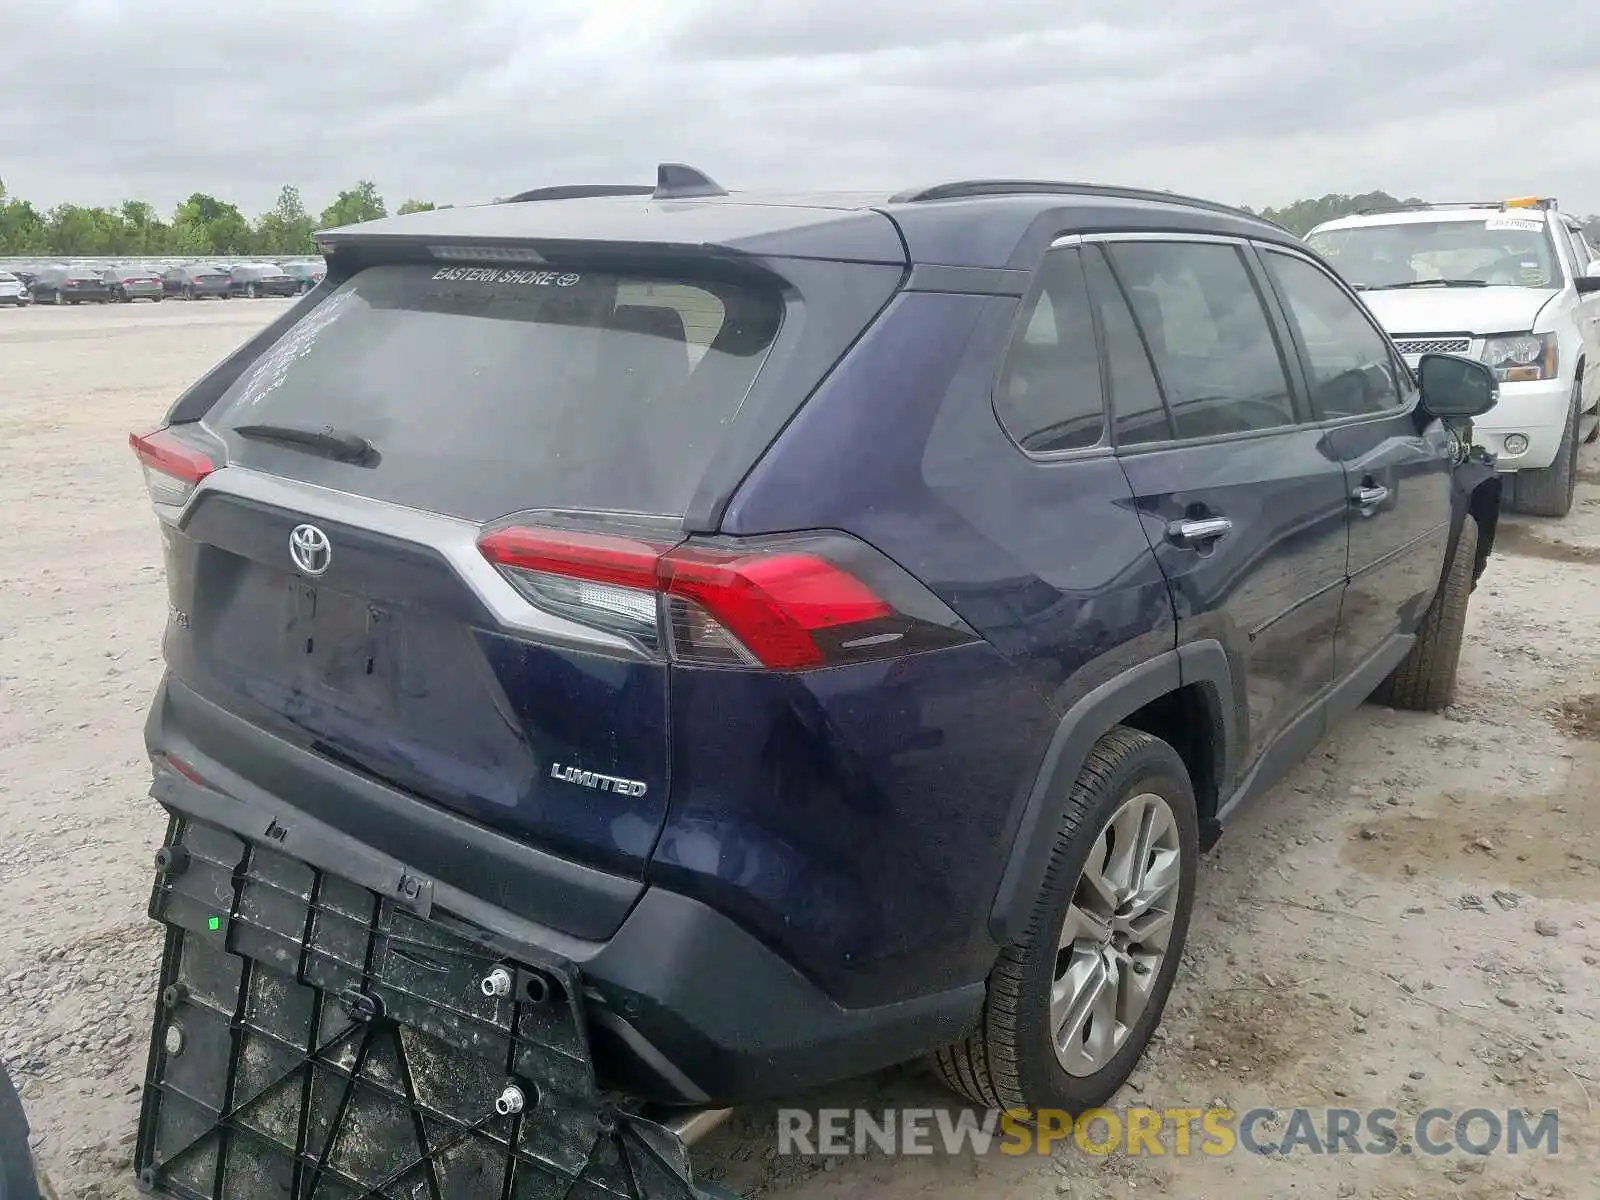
781,604
172,467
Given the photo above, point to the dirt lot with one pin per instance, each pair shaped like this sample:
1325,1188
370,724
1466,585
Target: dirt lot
1409,921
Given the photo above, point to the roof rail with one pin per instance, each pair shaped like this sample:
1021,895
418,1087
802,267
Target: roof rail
577,191
969,188
679,181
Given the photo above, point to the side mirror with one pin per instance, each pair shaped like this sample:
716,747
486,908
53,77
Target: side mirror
1453,386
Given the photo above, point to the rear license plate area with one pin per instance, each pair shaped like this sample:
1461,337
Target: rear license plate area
342,645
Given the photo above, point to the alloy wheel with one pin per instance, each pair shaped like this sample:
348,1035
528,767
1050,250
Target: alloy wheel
1115,936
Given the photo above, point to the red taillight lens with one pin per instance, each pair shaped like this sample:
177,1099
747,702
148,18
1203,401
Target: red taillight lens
772,603
172,468
783,608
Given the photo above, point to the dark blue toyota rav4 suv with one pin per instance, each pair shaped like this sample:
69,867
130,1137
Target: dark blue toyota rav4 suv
646,647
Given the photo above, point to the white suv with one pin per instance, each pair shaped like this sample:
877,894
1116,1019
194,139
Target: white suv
1514,283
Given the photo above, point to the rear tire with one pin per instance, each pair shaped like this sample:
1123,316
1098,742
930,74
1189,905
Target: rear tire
1548,492
1017,1058
1425,680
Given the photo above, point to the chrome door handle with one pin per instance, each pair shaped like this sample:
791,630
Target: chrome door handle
1199,531
1369,497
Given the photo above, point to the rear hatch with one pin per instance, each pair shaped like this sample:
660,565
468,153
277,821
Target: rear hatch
347,532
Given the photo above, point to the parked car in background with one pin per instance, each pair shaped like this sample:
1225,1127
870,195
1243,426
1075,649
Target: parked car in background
586,696
196,281
309,274
13,292
134,282
262,279
27,275
1513,283
71,285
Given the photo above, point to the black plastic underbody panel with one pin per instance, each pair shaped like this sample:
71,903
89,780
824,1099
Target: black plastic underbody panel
316,1040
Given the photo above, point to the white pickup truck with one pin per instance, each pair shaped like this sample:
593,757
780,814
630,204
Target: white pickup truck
1512,282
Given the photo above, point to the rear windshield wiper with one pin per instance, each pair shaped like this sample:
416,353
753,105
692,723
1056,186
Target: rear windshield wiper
1421,283
326,441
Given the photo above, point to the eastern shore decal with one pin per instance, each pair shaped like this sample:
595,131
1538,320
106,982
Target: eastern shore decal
517,275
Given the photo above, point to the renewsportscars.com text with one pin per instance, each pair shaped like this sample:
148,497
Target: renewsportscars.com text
1176,1132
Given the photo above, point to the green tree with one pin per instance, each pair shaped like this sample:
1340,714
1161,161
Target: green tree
360,203
286,228
205,225
1304,215
22,228
144,231
73,229
414,206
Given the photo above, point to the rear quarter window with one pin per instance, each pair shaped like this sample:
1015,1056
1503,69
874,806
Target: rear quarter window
489,390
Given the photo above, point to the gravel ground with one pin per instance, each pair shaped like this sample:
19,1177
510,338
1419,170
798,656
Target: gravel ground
1410,920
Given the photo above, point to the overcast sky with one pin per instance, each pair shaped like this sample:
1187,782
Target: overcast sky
1248,101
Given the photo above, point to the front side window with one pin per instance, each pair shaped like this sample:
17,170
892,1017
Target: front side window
1352,369
1499,250
1209,335
1582,256
1048,397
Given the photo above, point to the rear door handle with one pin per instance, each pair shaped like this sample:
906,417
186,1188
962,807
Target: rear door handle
1369,497
1198,531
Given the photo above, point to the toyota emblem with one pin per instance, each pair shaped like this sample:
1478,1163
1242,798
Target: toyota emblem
310,549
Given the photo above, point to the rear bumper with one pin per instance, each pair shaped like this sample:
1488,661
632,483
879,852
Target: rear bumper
1537,411
684,1005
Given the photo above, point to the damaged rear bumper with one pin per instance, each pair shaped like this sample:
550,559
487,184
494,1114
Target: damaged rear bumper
325,1031
684,1005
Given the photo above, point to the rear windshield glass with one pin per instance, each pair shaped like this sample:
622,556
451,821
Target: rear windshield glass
1511,251
486,390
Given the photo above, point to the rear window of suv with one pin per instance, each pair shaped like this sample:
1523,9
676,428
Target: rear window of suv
488,390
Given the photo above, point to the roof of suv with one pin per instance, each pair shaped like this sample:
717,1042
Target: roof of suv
982,223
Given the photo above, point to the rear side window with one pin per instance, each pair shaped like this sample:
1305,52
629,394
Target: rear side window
1138,415
488,390
1209,334
1049,393
1352,370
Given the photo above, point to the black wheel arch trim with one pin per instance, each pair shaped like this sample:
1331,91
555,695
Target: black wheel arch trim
1204,663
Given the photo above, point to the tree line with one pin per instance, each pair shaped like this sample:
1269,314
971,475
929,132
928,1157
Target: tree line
200,225
1305,215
